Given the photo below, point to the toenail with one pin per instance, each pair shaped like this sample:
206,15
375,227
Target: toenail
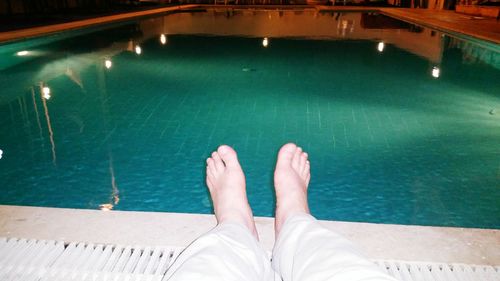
223,149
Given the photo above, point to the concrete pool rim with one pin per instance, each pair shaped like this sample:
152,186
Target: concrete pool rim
378,241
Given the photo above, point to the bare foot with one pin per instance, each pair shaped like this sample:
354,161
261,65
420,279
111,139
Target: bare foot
291,179
226,183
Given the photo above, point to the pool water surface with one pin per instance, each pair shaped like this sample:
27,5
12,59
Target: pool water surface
402,123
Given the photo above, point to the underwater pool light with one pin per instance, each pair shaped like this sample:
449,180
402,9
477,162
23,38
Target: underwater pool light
106,207
138,50
265,42
108,63
163,39
22,53
435,72
380,46
46,92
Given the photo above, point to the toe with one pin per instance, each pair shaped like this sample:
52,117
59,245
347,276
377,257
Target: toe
285,155
302,162
288,148
211,166
210,178
228,155
210,173
307,170
296,158
219,165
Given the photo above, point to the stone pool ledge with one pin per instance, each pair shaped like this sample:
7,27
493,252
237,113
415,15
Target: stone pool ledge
379,241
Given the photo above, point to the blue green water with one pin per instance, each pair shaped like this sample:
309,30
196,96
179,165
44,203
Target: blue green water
388,143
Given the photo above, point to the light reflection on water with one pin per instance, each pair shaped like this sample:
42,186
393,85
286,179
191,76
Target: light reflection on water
400,122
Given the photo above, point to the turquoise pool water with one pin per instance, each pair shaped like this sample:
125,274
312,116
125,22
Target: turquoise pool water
126,117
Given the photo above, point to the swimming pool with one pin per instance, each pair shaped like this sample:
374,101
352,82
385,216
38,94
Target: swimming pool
402,123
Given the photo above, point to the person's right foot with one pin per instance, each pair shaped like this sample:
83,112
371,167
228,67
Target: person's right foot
226,183
291,179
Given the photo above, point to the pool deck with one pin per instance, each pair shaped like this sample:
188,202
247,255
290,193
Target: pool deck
378,241
448,21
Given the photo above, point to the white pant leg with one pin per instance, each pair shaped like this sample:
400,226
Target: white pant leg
227,252
305,250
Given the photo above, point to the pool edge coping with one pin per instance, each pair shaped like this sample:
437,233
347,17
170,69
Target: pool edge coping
378,241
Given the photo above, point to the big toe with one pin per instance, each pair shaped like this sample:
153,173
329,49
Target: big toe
285,155
228,155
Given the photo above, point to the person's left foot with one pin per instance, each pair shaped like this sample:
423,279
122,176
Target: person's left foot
291,180
226,183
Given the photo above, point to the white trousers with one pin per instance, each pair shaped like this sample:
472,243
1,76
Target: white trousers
304,250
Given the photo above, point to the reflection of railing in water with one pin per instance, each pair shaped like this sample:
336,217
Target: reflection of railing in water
103,94
345,26
115,193
45,95
37,114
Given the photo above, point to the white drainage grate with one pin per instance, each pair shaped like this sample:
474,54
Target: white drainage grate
22,259
420,271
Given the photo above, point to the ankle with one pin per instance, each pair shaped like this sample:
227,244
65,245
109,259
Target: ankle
237,216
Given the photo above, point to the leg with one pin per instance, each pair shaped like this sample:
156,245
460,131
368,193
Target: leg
305,250
231,250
